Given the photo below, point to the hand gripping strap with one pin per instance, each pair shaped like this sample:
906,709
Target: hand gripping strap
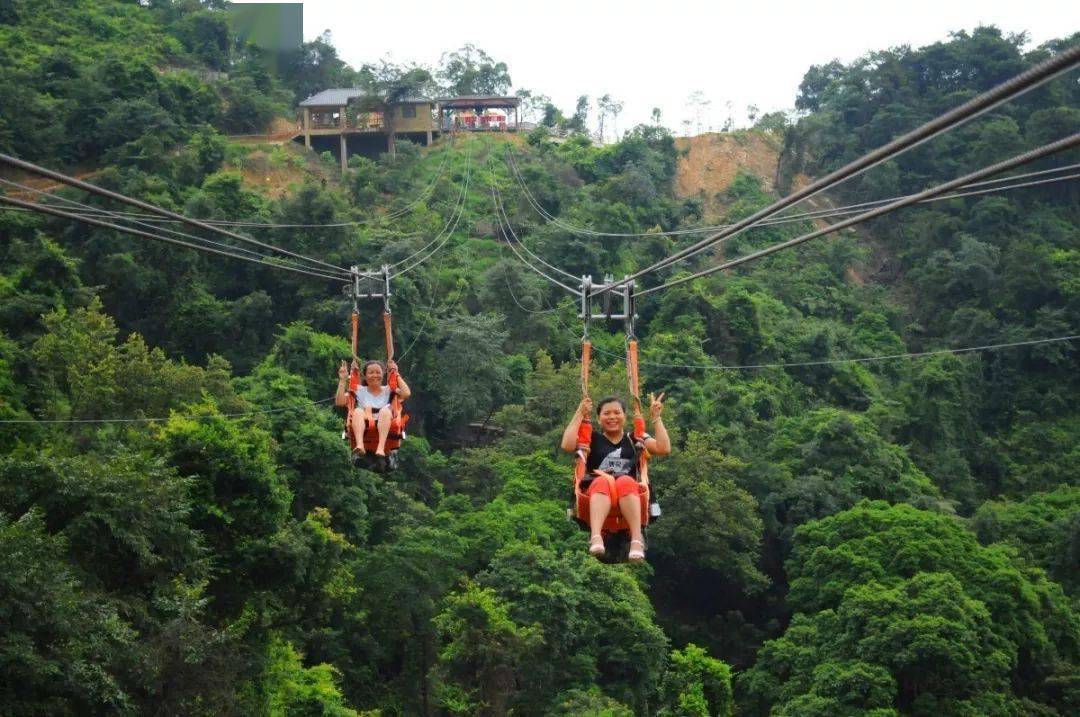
584,434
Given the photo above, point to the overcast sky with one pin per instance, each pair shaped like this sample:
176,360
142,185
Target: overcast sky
654,54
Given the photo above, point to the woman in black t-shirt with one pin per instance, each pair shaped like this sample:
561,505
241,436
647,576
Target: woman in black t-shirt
612,464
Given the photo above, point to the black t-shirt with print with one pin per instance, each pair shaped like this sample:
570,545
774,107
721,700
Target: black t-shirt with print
618,459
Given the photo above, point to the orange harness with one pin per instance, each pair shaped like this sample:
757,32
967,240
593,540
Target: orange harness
614,522
397,406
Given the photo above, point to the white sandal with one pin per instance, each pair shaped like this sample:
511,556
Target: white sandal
636,555
596,546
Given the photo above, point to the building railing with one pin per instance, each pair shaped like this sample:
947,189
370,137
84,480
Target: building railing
363,121
368,121
478,124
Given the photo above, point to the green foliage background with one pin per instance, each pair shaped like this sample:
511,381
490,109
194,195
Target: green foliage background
879,538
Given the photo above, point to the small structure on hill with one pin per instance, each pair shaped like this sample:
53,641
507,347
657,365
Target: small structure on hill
479,113
350,113
360,121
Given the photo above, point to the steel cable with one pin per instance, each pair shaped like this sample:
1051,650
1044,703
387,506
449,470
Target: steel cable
45,209
1046,150
783,219
449,230
1018,85
117,196
118,215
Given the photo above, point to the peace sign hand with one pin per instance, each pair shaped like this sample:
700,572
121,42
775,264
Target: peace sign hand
656,406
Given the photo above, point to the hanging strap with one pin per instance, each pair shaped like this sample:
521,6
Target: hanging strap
584,440
354,371
634,386
639,419
355,320
584,431
388,335
586,360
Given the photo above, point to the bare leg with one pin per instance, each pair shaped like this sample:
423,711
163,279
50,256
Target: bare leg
630,506
599,507
386,417
358,426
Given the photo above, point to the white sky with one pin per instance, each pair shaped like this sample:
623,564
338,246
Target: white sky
654,54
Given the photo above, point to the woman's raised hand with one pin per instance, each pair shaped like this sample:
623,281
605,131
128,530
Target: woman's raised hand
656,405
584,408
391,365
343,371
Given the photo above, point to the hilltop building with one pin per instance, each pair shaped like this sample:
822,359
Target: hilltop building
348,121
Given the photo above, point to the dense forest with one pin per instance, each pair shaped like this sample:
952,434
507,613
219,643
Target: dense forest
880,537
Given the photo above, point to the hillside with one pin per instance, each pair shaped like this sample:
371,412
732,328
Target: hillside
709,164
869,506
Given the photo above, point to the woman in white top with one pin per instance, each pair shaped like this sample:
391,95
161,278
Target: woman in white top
372,401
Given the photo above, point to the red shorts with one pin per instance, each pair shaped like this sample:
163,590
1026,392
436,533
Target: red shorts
622,486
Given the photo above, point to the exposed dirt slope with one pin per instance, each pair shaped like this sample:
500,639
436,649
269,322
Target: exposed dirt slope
281,130
278,170
710,163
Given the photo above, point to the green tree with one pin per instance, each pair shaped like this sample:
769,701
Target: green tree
697,685
709,522
958,626
63,655
471,71
483,653
1043,527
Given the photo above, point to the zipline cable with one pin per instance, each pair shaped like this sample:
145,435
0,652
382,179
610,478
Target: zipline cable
1059,146
158,419
154,227
864,359
1014,87
45,209
116,196
448,229
510,289
153,218
811,216
499,209
823,362
782,219
847,211
506,238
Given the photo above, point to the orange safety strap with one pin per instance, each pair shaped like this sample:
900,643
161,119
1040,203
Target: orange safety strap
632,379
388,331
585,427
392,380
586,361
355,334
354,371
632,376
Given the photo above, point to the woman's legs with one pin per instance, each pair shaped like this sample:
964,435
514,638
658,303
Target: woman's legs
629,493
599,507
386,417
630,507
600,497
358,426
623,491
